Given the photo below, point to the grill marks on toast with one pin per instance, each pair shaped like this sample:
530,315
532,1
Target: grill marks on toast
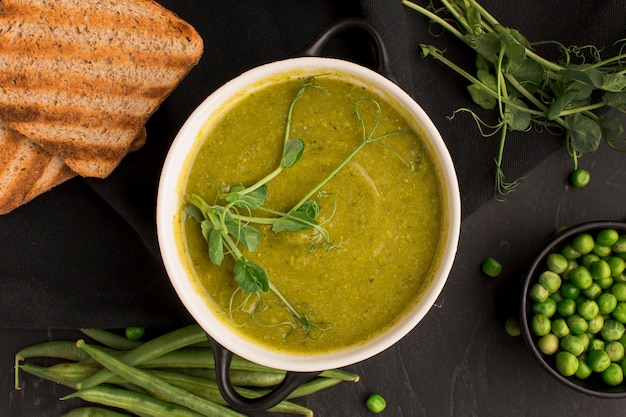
84,76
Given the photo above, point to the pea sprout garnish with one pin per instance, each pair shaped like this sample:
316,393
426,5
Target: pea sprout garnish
528,91
229,222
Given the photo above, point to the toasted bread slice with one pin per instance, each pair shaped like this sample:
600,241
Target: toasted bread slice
82,77
27,170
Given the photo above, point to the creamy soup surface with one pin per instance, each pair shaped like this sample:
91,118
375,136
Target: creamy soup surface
383,211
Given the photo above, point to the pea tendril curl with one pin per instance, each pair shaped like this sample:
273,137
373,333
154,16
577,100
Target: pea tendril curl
529,91
229,222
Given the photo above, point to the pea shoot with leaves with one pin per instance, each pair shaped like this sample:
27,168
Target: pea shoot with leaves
529,91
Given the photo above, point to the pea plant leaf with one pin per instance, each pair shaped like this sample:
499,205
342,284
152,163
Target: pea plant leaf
561,104
486,44
612,128
616,100
584,133
250,276
246,234
251,200
194,212
216,246
614,83
294,148
305,217
516,117
481,97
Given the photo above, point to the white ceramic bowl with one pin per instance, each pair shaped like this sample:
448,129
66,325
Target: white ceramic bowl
175,172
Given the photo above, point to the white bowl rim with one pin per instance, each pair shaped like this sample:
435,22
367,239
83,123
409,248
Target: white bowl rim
167,208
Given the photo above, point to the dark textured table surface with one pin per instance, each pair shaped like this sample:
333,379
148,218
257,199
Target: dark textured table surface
458,361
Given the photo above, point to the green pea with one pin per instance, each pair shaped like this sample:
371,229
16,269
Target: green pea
583,371
491,267
595,324
559,328
566,363
581,277
593,291
569,252
612,330
620,278
577,324
617,265
619,312
547,308
615,350
556,263
583,243
589,258
606,303
566,307
602,251
598,360
551,281
134,333
587,309
596,344
573,344
539,293
619,291
613,375
511,327
571,265
540,325
556,296
569,290
375,403
607,237
600,269
620,245
579,178
605,283
548,344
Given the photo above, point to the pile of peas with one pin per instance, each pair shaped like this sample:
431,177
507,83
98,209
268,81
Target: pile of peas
579,307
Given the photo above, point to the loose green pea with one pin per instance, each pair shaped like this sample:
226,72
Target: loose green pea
512,328
619,291
595,324
587,309
581,277
607,237
621,277
566,363
559,328
547,308
548,344
551,281
577,324
556,263
583,371
617,265
605,283
613,375
612,330
598,360
573,344
569,252
600,269
583,243
579,178
585,338
571,265
615,350
566,307
540,325
620,245
619,312
375,403
569,290
134,333
491,267
539,293
556,296
606,303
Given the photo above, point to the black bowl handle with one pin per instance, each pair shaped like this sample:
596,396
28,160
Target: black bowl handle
244,404
381,58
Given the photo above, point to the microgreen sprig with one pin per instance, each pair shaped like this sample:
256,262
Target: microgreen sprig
529,91
229,222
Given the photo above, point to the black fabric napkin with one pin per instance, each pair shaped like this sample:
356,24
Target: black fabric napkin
86,255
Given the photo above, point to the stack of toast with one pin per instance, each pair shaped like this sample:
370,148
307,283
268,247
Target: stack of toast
79,79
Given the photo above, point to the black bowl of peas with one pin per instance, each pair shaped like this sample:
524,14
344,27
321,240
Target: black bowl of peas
573,308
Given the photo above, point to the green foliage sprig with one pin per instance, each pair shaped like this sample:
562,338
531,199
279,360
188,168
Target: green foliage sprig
529,91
